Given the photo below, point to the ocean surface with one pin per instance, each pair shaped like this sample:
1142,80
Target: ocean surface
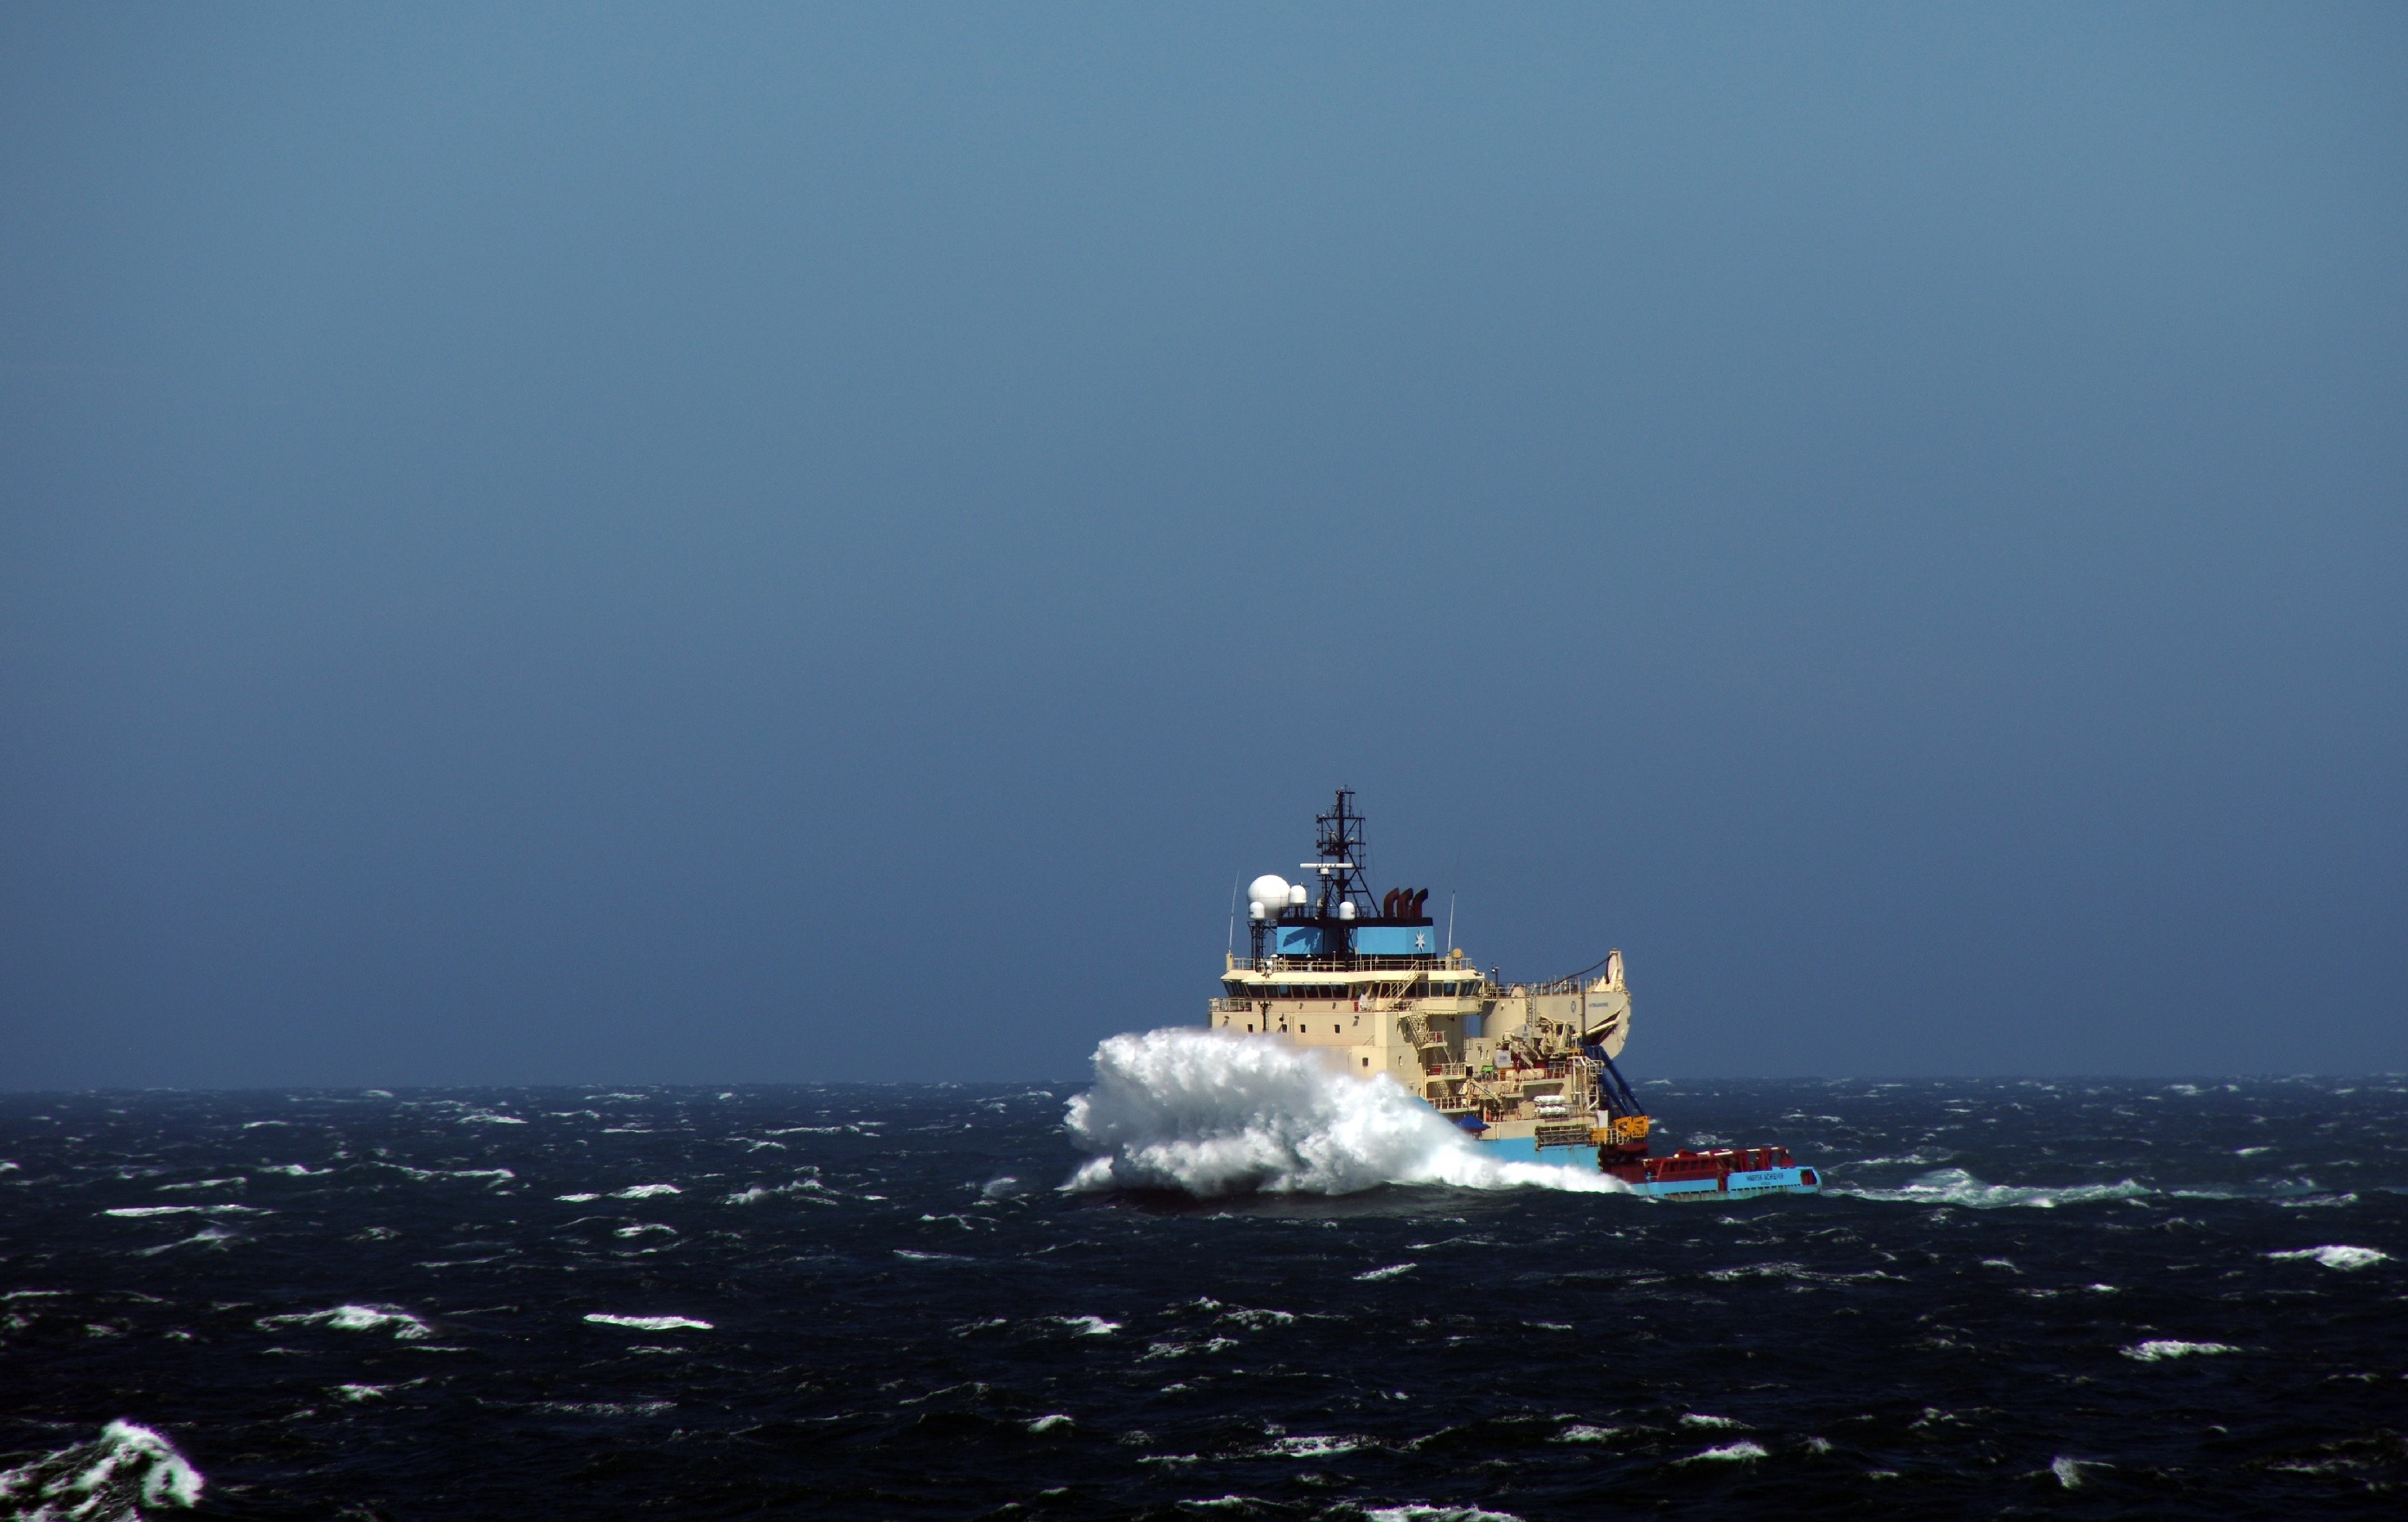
2069,1298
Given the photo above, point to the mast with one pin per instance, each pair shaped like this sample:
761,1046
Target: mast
1339,843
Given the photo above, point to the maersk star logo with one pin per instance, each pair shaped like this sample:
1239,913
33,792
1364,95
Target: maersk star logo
1421,940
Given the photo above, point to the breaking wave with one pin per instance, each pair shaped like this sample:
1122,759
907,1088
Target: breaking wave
1212,1114
113,1478
1956,1186
2348,1260
406,1326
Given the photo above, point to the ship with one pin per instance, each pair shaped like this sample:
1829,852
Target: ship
1527,1070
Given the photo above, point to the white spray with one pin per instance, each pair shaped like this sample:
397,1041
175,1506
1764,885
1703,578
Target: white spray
124,1475
1215,1114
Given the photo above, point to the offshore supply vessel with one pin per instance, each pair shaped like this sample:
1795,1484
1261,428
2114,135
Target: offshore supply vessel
1526,1068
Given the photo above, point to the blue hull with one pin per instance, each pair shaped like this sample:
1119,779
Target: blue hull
1733,1186
1745,1186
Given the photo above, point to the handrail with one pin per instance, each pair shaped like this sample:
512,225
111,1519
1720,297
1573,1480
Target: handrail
1346,964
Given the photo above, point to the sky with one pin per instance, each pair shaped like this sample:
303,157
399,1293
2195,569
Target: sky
724,544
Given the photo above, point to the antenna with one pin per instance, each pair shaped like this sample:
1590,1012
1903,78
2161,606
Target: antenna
1338,844
1233,915
1450,922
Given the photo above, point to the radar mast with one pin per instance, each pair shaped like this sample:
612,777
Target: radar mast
1339,843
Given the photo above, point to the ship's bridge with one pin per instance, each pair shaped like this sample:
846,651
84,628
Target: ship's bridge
1299,981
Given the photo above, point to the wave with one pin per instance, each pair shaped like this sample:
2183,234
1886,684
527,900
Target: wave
1741,1452
2159,1350
648,1323
406,1326
2348,1260
1956,1186
113,1478
1212,1114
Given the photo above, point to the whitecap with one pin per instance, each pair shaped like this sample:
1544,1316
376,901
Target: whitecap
497,1174
1181,1350
2158,1350
110,1479
644,1229
578,1198
1414,1512
483,1117
208,1236
808,1190
1089,1325
1956,1186
1742,1451
645,1191
606,1408
1211,1113
1246,1317
406,1326
136,1211
1583,1432
1391,1271
1696,1418
2069,1470
1050,1422
1312,1447
648,1323
2345,1258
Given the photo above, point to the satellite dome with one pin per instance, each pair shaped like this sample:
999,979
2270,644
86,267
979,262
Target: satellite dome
1269,890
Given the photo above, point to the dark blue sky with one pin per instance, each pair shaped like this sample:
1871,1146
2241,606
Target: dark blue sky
728,544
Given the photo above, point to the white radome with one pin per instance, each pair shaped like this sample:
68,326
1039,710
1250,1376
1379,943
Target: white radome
1270,891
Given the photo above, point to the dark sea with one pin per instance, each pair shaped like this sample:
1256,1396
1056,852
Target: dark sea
2063,1298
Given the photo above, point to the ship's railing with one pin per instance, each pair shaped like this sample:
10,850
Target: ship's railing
1560,986
1342,964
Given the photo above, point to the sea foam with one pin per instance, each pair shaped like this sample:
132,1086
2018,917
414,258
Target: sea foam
2160,1349
2348,1260
113,1478
648,1323
1213,1113
406,1326
1956,1186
